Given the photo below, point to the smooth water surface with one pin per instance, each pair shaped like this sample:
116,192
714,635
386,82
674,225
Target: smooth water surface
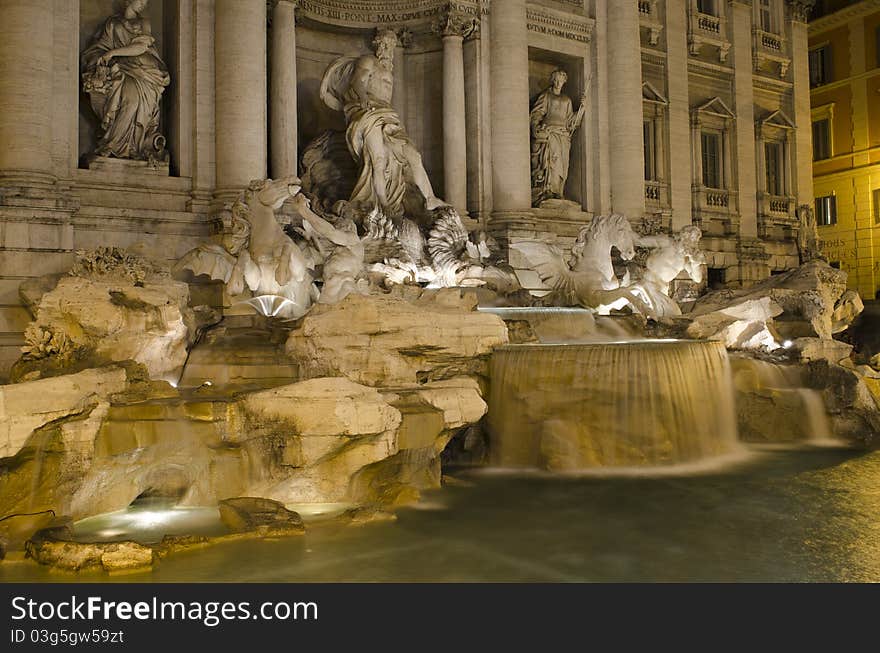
781,515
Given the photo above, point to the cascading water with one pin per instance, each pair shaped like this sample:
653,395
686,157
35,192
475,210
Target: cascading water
565,325
775,405
577,406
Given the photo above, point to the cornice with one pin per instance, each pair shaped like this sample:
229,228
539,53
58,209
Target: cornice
843,16
560,24
433,14
370,13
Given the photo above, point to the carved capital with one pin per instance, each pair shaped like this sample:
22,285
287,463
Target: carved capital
404,37
800,9
272,4
455,22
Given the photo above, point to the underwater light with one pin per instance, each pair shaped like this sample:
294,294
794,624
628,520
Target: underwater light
787,344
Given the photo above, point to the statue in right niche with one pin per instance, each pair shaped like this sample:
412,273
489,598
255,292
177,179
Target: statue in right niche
553,122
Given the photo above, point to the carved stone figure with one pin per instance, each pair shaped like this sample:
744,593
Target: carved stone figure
670,257
808,234
125,78
362,88
588,279
343,270
553,122
258,254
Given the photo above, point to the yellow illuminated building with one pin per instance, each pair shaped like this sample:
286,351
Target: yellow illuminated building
844,55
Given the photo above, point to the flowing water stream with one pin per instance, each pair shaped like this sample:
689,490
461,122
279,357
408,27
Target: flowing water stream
575,406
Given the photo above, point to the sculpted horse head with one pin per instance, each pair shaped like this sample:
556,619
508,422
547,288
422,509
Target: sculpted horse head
272,264
592,249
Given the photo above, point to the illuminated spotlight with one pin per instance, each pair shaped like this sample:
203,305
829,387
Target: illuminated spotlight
787,344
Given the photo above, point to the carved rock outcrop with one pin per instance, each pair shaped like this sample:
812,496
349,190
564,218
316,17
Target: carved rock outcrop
26,407
386,341
312,441
813,299
112,307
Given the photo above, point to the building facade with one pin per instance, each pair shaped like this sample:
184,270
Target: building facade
696,111
844,55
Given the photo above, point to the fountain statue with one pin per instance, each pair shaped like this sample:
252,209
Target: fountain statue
125,78
553,123
362,88
808,234
670,256
588,279
258,254
343,269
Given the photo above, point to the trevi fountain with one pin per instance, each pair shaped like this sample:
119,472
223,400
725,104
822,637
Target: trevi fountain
355,374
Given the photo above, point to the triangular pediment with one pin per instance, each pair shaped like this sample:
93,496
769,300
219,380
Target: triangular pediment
716,107
776,119
651,94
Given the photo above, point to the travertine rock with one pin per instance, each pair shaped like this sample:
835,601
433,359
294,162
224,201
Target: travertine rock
327,407
15,530
808,297
305,442
386,341
324,431
852,396
75,556
252,513
25,407
743,325
459,399
811,349
774,404
100,315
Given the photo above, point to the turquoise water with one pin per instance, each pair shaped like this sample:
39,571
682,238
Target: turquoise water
780,515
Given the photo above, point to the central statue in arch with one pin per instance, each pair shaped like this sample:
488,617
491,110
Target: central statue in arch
362,88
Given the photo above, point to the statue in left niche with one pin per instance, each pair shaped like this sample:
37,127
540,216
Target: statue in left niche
258,255
125,78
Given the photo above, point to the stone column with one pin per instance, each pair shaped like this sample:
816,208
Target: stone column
680,175
240,74
508,42
625,109
398,96
802,149
744,94
283,103
453,28
26,57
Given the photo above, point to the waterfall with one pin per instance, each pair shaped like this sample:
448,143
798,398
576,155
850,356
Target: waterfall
557,325
774,405
577,406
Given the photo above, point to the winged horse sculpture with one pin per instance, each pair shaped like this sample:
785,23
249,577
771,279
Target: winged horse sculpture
588,278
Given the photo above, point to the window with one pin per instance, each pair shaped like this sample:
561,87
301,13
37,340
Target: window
821,139
650,151
715,278
820,65
711,144
876,198
826,210
766,15
877,45
706,7
773,159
